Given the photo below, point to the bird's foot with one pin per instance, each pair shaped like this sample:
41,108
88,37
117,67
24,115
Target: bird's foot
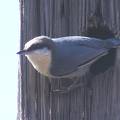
73,86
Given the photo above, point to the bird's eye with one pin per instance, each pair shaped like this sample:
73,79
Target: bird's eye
35,47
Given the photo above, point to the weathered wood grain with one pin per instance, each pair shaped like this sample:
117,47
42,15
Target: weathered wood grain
98,100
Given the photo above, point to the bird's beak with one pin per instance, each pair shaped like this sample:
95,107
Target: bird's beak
22,52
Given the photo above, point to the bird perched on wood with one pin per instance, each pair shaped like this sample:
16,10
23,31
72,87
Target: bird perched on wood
66,56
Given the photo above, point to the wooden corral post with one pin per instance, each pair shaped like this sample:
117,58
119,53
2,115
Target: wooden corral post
98,100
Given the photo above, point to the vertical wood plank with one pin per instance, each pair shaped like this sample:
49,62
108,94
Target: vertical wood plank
98,100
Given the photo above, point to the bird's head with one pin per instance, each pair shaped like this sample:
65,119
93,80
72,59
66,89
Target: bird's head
38,51
37,44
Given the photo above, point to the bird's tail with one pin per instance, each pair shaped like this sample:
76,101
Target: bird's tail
112,43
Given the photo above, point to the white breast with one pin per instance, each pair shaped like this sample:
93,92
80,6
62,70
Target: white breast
40,59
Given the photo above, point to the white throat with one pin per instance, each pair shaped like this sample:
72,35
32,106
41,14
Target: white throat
41,60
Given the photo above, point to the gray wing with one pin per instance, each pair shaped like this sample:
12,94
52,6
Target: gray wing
70,55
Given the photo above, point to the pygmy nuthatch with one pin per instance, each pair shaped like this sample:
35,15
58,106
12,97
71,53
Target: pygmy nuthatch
66,56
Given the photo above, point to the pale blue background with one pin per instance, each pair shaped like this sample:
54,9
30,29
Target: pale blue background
9,45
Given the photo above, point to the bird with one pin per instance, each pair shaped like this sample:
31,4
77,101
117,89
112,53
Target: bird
66,57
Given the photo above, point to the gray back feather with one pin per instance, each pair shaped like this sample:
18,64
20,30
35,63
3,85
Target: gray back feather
72,52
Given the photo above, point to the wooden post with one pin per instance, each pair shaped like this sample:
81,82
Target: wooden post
100,99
